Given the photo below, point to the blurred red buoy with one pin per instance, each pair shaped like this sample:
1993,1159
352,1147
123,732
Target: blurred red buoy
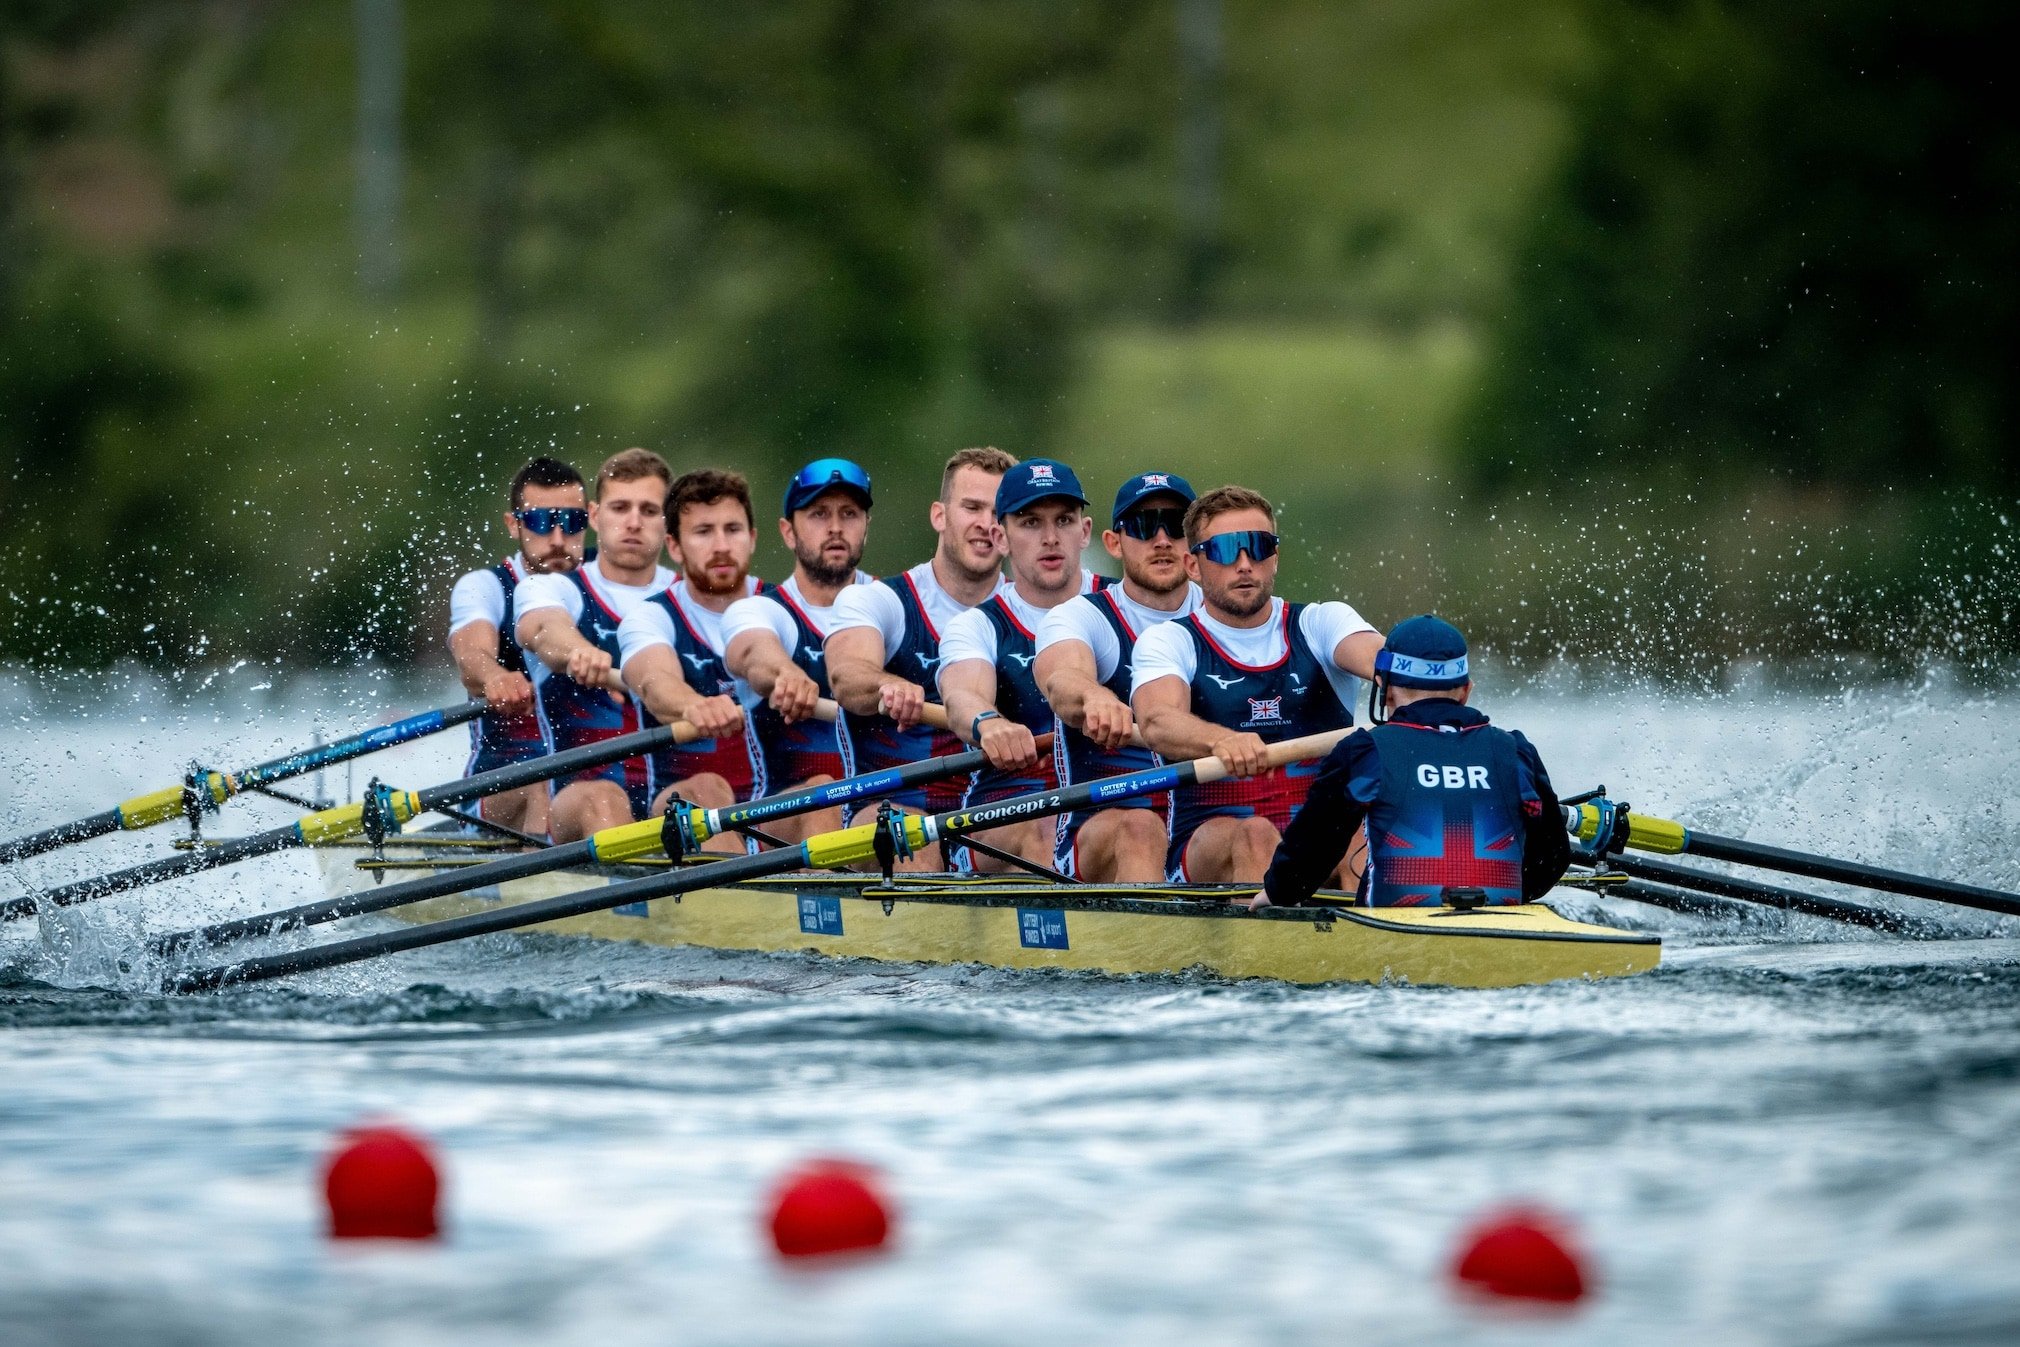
382,1183
1521,1254
829,1206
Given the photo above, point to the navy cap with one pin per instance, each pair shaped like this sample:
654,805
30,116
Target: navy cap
1149,484
1424,652
1033,480
824,475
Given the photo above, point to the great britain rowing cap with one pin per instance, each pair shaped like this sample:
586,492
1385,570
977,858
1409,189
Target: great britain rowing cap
1147,484
1423,652
1036,479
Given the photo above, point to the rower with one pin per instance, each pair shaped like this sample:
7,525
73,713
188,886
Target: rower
671,646
883,646
1449,805
548,519
773,640
1085,648
986,654
1244,671
568,623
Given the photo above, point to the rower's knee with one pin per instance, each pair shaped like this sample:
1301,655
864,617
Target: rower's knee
705,790
1255,839
1139,832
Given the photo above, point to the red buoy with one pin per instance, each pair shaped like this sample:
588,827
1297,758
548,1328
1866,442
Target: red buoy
382,1183
1521,1254
829,1206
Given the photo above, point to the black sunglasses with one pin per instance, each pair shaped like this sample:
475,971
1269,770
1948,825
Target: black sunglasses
1144,525
542,520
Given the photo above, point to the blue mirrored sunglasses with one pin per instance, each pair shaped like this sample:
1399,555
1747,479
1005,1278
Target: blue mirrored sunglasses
827,472
1226,548
543,520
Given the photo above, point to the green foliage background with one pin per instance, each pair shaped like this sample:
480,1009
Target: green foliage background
1647,331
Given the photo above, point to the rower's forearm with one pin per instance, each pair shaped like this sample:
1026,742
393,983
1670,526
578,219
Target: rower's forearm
963,705
858,686
552,643
1179,735
762,673
1068,694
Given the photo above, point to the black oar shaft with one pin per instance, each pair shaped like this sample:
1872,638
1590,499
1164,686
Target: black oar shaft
1713,847
377,900
62,835
1765,895
292,835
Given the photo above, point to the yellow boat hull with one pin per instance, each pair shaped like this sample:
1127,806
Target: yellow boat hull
1011,923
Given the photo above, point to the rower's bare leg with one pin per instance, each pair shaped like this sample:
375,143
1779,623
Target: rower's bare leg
1031,839
704,790
1122,846
524,809
1231,850
799,827
584,807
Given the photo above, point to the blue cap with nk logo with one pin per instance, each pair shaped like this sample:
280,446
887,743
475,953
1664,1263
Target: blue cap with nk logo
1423,652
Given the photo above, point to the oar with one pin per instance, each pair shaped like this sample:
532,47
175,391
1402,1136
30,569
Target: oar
1611,826
683,830
382,811
210,789
1766,895
824,851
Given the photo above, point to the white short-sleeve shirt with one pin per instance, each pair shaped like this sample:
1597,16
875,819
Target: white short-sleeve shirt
971,635
877,606
763,612
1168,652
1080,619
648,624
480,597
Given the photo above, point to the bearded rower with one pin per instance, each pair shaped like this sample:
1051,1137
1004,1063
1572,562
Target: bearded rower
1085,650
773,640
883,648
672,649
1243,672
548,518
568,623
986,654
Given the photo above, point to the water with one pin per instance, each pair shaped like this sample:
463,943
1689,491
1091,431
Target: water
1794,1132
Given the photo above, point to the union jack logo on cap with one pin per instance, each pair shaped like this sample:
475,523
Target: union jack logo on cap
1042,472
1157,479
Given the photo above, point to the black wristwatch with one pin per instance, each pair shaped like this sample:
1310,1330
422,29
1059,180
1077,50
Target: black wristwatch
975,725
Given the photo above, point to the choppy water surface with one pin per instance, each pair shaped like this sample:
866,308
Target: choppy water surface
1794,1132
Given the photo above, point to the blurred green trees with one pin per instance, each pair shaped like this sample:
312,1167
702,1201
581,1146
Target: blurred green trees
1391,262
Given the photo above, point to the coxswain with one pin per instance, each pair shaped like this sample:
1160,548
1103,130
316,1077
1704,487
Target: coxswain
549,518
1244,671
883,647
568,624
987,679
773,640
1085,649
1450,806
670,646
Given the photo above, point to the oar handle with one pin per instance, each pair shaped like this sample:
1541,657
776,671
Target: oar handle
1279,754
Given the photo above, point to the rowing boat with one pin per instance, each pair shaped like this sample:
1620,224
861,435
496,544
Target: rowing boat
1013,922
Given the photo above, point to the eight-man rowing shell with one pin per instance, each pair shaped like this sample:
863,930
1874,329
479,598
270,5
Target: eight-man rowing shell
1017,923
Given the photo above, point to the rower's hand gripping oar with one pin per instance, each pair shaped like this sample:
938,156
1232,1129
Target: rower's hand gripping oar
900,833
1608,827
378,815
680,832
205,790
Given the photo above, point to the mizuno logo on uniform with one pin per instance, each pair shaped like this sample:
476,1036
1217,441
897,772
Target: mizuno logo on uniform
1225,683
603,633
928,661
699,662
1265,708
815,654
1023,661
